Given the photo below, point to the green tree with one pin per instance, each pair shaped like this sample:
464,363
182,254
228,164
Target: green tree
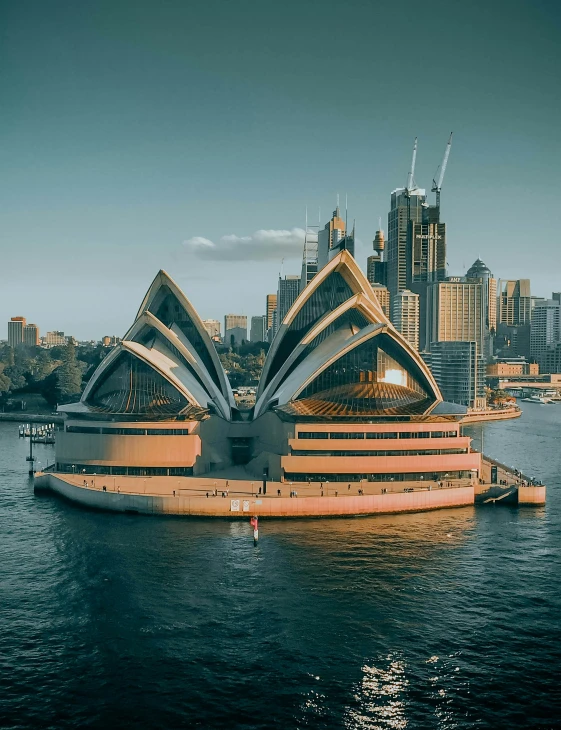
5,382
69,376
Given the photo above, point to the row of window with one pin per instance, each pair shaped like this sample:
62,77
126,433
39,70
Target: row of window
419,452
396,477
376,434
129,431
131,471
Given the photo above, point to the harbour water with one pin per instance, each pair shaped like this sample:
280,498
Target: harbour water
449,619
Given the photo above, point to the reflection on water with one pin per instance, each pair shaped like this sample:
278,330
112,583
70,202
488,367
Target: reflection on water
380,697
447,619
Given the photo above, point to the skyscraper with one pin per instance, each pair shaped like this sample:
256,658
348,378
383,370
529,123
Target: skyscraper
329,237
406,208
459,370
455,313
258,332
15,331
310,255
428,247
514,302
383,297
235,329
545,331
406,316
480,273
31,335
455,336
287,291
270,307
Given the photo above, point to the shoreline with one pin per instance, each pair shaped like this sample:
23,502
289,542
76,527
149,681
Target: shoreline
23,417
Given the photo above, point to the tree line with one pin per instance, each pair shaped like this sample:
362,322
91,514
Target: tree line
60,374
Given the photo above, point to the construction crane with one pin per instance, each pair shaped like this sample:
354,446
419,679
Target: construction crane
436,186
410,178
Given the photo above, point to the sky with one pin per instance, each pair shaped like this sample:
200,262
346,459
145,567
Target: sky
190,136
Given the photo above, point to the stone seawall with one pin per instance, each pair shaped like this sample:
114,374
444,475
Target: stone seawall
23,417
241,507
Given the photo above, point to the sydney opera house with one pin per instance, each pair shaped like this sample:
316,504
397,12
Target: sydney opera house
343,397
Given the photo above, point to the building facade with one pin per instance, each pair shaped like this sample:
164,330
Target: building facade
343,397
288,290
406,209
16,327
479,273
329,237
212,326
455,313
545,330
518,366
31,335
459,370
270,307
428,247
55,339
514,303
406,316
383,296
235,329
258,332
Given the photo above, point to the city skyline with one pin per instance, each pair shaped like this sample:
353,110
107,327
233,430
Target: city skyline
129,135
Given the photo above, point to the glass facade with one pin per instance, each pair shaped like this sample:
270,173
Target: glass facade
131,386
385,452
148,337
167,308
351,320
131,471
328,296
129,431
391,477
375,434
368,379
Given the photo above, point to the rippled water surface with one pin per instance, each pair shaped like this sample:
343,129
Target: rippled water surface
449,619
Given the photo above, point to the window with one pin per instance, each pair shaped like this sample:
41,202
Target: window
82,429
168,310
132,386
124,431
347,435
332,292
365,380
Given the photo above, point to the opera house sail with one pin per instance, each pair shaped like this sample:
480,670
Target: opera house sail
343,397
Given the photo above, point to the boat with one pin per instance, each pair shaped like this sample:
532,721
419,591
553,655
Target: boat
537,399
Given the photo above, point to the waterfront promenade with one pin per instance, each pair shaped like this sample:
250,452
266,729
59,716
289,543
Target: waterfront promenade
238,498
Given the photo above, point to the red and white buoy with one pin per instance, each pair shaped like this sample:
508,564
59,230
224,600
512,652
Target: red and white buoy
254,522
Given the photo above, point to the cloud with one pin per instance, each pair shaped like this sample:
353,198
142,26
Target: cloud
263,245
199,241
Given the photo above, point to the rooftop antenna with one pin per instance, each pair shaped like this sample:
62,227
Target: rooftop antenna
437,185
337,203
346,211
